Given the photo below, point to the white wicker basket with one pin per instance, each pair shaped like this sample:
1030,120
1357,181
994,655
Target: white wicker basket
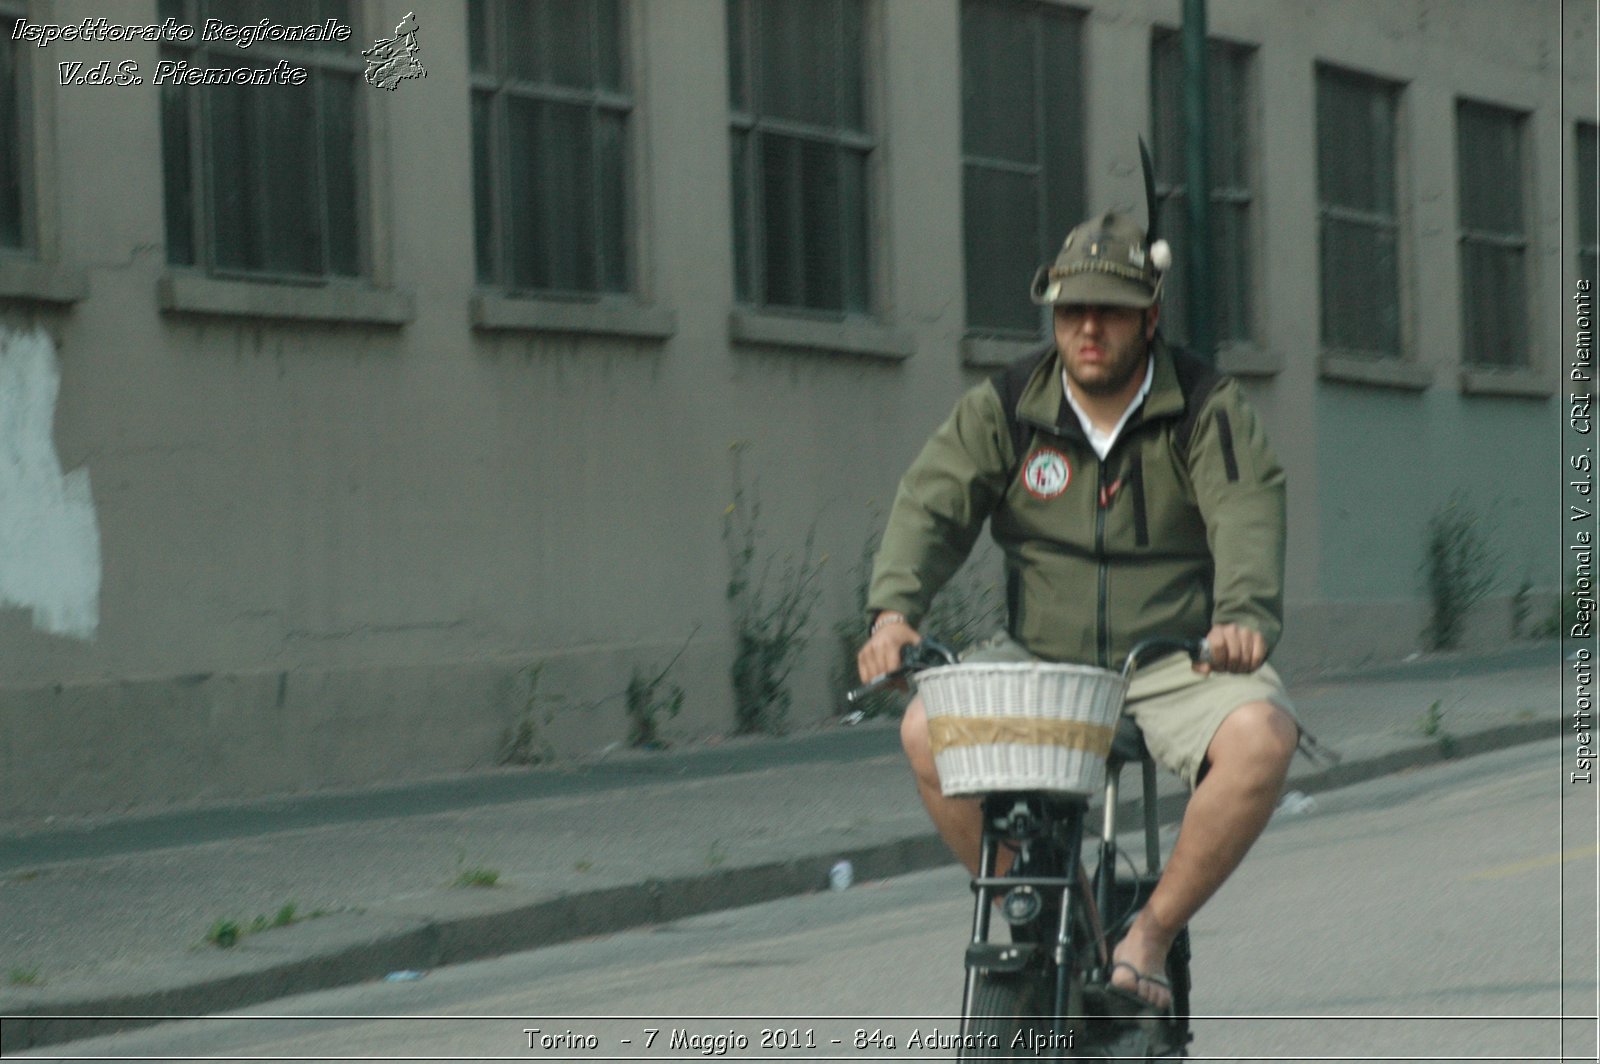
1021,727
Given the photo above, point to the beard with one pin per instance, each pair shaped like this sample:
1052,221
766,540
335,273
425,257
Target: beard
1120,366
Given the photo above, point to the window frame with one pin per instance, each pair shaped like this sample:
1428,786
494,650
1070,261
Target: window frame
24,163
1585,185
202,180
1242,59
1400,368
985,343
1520,243
501,84
32,273
752,285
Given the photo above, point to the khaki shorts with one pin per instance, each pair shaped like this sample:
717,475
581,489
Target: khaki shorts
1178,709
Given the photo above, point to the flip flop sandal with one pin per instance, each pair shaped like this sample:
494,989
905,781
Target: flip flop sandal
1120,1002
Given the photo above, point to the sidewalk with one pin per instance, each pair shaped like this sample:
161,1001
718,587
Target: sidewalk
112,918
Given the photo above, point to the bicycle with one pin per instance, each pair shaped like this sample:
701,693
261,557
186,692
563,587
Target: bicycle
1046,994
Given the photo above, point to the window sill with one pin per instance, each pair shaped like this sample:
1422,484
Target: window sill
36,282
618,317
989,352
1248,360
1383,373
1524,383
853,337
351,303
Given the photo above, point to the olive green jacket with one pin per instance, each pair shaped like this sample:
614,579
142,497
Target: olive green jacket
1162,538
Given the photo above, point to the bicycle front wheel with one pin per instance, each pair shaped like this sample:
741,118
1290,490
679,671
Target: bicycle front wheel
1011,1018
1005,1008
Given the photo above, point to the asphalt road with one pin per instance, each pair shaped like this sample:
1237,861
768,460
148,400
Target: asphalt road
1440,914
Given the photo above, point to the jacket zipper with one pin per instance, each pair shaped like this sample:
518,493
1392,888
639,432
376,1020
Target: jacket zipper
1103,623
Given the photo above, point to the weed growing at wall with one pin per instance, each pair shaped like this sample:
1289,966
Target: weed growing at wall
527,742
772,605
648,701
1459,569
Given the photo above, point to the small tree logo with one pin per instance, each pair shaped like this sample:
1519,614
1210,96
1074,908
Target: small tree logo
392,61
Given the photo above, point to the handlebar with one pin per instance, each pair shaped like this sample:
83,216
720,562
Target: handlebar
930,653
914,657
1199,651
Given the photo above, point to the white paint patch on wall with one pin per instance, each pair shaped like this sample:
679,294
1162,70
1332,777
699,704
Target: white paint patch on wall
49,540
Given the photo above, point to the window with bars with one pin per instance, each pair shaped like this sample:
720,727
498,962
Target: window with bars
550,142
1588,252
15,231
264,182
1493,215
1022,142
1357,122
1230,164
801,151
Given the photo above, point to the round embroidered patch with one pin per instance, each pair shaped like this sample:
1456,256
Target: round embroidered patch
1046,473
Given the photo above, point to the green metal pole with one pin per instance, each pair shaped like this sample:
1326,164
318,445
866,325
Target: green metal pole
1202,328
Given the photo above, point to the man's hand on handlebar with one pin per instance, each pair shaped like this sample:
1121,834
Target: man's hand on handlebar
1234,648
881,652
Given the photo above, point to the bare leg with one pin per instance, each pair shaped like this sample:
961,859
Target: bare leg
1249,758
959,821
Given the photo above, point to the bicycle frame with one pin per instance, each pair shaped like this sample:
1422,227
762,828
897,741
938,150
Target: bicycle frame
1061,920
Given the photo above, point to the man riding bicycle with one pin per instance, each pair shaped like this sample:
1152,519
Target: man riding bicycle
1133,493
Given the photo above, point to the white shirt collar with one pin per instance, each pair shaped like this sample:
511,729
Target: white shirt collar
1102,441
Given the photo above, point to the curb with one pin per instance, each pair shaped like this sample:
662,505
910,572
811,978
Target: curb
420,934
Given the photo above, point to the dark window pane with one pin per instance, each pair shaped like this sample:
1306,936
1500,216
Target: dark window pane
478,16
483,185
1355,142
568,179
1230,241
998,109
781,212
289,224
1587,178
13,229
1001,212
738,45
572,44
1360,288
177,173
1063,133
611,46
551,177
523,201
820,222
233,142
799,59
743,229
340,192
1494,314
1166,94
850,66
1229,162
853,227
526,33
611,154
1489,149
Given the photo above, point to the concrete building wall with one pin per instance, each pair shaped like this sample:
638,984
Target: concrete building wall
335,552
